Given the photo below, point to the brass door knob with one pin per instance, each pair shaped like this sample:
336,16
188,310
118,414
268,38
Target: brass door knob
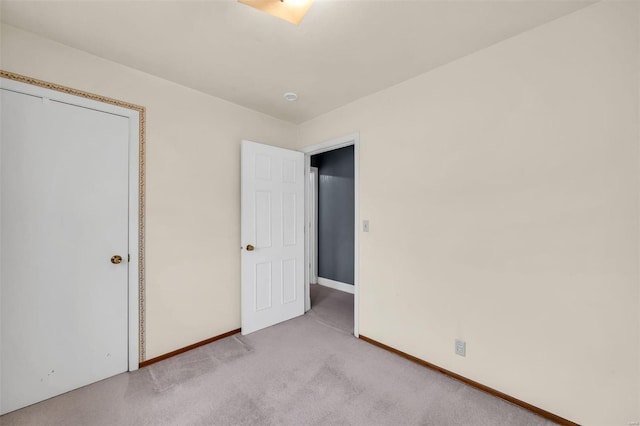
250,247
116,259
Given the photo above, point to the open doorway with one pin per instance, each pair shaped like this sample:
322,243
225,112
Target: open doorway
332,217
275,238
332,208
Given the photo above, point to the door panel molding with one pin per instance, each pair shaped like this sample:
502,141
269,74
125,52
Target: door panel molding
137,123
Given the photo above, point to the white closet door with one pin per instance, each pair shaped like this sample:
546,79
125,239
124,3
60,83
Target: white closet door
63,215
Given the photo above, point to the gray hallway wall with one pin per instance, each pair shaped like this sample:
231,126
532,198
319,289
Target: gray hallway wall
336,214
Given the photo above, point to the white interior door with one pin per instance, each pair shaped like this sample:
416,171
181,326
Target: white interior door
272,235
63,215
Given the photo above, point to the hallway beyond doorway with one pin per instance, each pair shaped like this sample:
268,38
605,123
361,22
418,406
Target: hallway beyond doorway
333,307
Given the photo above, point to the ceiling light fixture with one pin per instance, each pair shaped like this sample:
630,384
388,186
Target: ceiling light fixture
290,96
290,10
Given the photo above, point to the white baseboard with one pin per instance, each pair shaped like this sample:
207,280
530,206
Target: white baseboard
337,285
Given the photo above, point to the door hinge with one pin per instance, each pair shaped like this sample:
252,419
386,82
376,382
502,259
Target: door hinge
128,258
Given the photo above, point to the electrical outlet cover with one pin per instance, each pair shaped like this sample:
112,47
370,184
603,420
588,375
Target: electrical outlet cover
461,347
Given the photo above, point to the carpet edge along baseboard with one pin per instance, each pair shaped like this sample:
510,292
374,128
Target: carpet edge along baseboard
539,411
188,348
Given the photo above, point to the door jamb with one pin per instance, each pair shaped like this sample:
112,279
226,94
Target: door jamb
313,228
330,145
136,117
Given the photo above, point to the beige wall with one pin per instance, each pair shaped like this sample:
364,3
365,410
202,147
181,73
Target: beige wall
502,191
193,185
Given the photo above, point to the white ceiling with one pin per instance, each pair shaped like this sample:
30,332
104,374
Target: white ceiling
342,50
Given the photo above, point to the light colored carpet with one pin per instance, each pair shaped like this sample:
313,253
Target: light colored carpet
332,307
306,371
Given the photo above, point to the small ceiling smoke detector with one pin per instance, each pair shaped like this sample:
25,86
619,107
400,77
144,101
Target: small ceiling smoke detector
290,96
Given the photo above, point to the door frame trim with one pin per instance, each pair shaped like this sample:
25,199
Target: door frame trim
330,145
313,232
137,120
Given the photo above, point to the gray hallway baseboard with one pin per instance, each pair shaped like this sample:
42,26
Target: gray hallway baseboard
336,285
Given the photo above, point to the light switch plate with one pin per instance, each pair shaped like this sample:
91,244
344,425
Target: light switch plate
365,225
